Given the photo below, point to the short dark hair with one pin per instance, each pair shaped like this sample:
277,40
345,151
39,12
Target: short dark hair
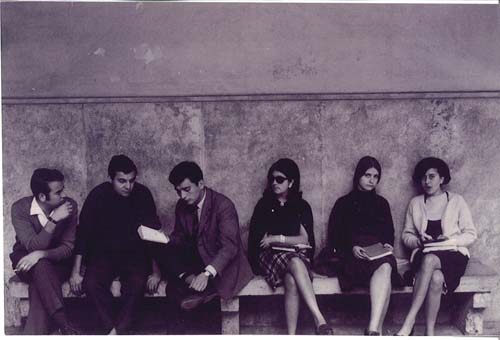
431,163
120,163
291,170
365,163
41,178
185,170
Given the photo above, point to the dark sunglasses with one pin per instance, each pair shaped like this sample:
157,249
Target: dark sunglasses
278,179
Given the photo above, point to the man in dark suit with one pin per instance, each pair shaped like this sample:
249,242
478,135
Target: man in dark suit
45,226
204,257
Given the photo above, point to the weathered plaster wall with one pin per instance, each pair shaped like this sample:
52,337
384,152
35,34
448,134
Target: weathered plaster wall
236,142
52,49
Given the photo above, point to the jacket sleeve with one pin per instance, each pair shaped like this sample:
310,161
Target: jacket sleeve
308,221
410,234
229,235
25,231
179,236
388,224
338,238
67,242
84,231
150,216
255,234
468,232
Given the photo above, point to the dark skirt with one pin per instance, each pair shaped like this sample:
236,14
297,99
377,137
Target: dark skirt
453,264
274,264
357,272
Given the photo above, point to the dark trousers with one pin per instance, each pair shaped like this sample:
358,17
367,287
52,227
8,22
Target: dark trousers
45,295
174,260
100,273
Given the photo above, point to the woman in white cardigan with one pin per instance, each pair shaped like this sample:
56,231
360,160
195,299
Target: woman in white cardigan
435,215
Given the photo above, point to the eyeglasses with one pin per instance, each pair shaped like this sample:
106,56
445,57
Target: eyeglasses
278,179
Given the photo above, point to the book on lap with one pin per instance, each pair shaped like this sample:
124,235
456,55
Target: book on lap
440,245
289,247
376,251
153,235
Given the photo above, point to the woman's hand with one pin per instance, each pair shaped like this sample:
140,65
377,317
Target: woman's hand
359,253
267,239
388,246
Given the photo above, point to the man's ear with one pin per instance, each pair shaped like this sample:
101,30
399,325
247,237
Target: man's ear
42,197
201,184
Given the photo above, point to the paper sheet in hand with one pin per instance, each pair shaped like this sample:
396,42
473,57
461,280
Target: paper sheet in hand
153,235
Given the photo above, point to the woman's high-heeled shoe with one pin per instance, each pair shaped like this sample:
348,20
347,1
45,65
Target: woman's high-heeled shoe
411,333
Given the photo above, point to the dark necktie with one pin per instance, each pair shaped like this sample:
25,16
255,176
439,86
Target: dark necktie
196,221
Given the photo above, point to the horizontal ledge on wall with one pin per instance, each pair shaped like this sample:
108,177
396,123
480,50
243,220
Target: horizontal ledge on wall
251,97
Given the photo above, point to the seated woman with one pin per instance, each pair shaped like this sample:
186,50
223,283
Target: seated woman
359,219
281,215
435,215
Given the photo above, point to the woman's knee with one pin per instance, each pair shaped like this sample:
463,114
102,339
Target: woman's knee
437,280
430,262
385,269
289,281
295,264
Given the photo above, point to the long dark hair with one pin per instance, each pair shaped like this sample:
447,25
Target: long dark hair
365,163
291,170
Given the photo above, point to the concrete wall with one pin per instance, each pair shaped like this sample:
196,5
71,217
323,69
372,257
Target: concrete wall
127,53
236,142
156,48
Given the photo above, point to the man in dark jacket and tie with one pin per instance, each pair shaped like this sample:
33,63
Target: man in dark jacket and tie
204,257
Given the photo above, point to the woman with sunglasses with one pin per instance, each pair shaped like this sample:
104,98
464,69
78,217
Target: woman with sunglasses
281,215
359,219
435,215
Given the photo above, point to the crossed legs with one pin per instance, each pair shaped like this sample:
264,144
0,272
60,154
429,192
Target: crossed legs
428,286
297,281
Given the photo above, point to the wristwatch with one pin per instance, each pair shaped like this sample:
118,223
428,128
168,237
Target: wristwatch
207,273
52,220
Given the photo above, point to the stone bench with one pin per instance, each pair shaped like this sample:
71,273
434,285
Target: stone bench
473,295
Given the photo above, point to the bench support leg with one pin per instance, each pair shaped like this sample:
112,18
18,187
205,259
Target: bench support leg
230,310
469,315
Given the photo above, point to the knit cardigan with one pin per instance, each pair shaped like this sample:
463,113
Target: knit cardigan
456,223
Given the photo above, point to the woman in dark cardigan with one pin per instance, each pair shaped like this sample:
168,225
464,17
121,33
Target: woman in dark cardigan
281,215
359,219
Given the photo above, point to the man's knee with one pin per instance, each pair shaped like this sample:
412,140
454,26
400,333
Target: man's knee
42,269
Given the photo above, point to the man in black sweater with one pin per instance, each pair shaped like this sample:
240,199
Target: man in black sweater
108,244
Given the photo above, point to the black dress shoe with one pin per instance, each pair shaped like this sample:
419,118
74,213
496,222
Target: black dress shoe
371,333
324,329
70,330
194,300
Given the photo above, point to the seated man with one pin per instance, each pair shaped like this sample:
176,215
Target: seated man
45,226
108,244
204,257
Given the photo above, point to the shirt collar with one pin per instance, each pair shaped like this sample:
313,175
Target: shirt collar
200,203
35,208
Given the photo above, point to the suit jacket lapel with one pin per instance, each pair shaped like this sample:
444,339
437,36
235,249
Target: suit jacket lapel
205,211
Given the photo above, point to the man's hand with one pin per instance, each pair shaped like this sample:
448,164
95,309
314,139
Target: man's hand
359,253
153,283
75,283
27,262
62,211
199,282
